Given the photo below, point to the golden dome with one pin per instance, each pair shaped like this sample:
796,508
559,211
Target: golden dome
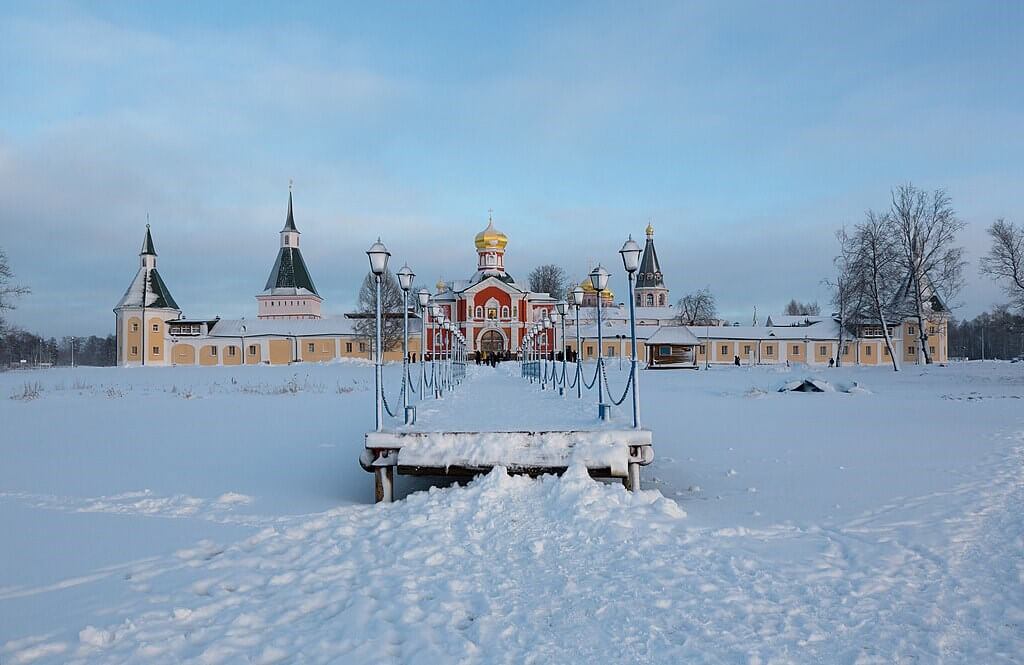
650,230
490,237
441,286
588,287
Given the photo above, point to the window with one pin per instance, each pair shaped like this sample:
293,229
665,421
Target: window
746,349
702,349
362,347
931,349
665,350
611,352
310,347
135,327
725,349
911,350
492,313
590,351
846,350
639,300
932,330
156,350
286,243
252,349
348,347
135,350
867,350
885,352
822,350
910,330
213,351
156,327
661,299
231,351
650,300
479,312
769,350
796,349
504,312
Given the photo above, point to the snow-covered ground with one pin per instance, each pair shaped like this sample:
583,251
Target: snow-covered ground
219,515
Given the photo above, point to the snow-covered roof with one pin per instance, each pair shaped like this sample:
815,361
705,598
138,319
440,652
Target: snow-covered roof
328,325
679,335
790,320
827,329
147,290
609,330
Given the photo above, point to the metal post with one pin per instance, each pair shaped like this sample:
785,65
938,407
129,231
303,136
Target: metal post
423,350
579,354
633,374
410,416
562,391
378,377
602,412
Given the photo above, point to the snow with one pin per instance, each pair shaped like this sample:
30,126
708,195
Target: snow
219,515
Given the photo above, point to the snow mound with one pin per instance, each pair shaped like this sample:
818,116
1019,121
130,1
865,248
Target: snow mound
857,389
808,385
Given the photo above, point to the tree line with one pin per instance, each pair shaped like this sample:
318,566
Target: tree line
18,345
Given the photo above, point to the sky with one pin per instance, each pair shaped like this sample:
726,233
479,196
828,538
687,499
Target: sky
748,133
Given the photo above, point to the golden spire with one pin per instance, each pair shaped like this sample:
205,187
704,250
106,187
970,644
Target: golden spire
440,284
650,229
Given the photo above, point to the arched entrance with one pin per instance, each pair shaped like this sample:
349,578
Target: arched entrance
491,342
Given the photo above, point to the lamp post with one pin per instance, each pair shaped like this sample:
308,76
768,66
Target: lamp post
562,308
545,326
577,302
378,255
435,312
405,277
446,341
424,298
599,278
631,262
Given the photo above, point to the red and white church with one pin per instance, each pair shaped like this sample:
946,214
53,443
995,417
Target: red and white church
490,309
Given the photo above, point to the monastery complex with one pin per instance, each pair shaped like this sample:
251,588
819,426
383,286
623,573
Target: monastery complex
494,312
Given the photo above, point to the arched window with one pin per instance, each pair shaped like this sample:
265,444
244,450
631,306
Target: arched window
639,300
650,300
661,300
504,312
490,259
479,312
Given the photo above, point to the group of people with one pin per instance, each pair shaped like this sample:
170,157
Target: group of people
492,358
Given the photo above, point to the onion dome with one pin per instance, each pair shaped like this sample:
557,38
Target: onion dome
650,230
441,286
490,237
588,287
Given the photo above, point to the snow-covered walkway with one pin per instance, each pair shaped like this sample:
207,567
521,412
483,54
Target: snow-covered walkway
499,400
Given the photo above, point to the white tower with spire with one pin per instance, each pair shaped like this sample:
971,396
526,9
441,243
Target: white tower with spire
289,292
143,312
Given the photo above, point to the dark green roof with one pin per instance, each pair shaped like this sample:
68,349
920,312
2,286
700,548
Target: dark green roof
650,269
290,272
160,295
289,223
147,244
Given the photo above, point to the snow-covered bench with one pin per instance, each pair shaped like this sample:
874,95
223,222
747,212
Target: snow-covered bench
605,453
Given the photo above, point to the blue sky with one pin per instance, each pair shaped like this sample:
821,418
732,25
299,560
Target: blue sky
748,133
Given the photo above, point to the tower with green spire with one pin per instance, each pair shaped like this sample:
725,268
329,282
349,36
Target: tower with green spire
143,312
289,292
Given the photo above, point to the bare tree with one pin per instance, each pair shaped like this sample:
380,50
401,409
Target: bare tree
697,309
1005,261
846,296
926,227
796,308
549,279
872,260
8,291
391,309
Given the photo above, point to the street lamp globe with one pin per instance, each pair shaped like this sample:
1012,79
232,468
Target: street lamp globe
378,254
562,307
630,255
424,298
599,278
577,296
405,277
